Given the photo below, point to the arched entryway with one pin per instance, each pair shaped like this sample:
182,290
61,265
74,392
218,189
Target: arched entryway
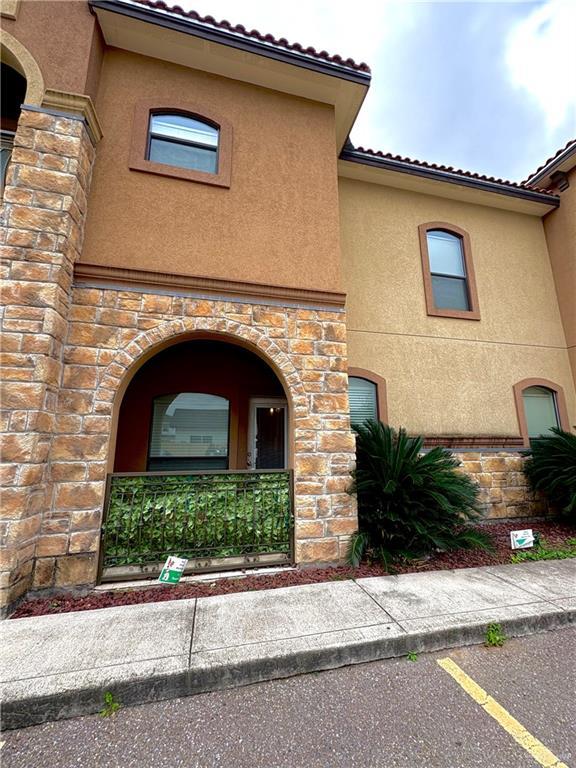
202,464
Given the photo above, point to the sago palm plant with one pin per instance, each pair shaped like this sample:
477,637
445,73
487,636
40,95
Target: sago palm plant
409,502
551,469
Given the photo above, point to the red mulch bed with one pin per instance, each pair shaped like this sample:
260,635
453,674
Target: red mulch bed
554,533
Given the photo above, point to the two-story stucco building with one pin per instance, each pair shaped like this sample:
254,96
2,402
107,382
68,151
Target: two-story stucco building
203,276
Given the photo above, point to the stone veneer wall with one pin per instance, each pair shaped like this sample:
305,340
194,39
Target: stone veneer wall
111,330
65,358
504,490
42,221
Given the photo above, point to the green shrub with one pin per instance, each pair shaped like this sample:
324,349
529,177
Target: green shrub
410,503
551,469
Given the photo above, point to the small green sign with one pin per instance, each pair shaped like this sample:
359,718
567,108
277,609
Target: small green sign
172,571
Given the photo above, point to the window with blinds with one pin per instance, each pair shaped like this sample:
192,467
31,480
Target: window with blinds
363,398
540,410
189,431
184,142
447,270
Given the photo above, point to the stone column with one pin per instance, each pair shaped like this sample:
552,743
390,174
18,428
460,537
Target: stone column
43,215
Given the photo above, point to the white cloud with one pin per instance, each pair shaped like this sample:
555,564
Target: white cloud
369,32
322,24
541,60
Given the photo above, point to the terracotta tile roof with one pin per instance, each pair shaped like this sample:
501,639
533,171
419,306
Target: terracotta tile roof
254,34
561,151
448,169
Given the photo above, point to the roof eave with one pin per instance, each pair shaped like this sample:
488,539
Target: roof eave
224,37
434,174
555,164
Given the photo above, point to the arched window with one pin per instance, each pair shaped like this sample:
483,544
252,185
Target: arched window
367,396
181,140
189,432
184,142
449,283
540,405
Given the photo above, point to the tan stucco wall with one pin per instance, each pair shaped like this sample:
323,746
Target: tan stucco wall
276,224
65,41
560,228
449,376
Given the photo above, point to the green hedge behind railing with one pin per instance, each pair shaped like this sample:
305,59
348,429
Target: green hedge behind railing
211,515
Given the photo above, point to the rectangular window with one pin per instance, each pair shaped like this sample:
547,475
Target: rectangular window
447,270
183,142
182,155
189,431
540,409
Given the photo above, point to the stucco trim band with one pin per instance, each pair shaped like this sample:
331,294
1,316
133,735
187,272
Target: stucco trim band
9,8
75,104
136,278
559,398
461,442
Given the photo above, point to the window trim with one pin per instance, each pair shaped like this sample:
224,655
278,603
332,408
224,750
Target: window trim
560,401
463,314
381,391
138,161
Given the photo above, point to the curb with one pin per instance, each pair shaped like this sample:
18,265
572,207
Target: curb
218,674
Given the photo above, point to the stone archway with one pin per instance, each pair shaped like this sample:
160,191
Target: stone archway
121,369
113,332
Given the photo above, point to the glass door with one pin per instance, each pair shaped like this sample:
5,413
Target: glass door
267,446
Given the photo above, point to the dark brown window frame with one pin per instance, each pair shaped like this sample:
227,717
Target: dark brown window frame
559,398
469,314
138,161
381,391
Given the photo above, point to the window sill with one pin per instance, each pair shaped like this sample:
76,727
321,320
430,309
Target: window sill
221,179
457,314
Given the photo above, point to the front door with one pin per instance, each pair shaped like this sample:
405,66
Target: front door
267,432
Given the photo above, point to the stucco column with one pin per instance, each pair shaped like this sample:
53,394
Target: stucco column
43,221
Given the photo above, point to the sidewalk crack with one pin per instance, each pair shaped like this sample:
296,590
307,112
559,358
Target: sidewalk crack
384,611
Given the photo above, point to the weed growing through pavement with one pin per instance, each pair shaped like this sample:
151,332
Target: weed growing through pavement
494,637
412,656
110,705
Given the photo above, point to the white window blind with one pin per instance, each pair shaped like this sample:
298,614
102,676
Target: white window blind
540,410
363,400
189,425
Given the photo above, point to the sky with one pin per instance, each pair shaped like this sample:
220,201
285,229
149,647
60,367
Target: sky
487,86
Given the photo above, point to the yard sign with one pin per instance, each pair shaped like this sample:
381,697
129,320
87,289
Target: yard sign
522,539
172,571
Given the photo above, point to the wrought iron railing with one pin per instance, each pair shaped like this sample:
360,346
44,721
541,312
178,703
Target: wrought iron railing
214,519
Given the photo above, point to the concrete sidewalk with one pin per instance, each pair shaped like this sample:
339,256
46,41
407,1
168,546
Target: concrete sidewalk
60,666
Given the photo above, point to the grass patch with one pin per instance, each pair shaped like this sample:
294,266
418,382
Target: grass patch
543,551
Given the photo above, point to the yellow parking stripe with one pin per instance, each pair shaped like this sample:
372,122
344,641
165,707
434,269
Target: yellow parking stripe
530,743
